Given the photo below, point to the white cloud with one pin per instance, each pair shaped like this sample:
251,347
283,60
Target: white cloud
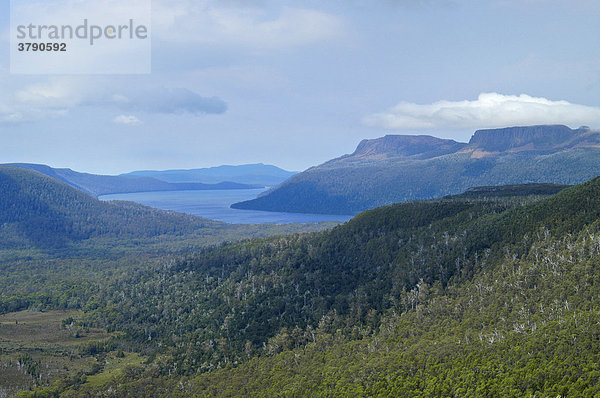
490,110
35,102
54,93
128,120
213,23
56,96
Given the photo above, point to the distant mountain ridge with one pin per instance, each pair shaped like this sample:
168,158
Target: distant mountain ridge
398,168
258,174
421,146
552,138
97,185
534,138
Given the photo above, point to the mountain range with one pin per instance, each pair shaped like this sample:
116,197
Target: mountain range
218,178
257,174
399,168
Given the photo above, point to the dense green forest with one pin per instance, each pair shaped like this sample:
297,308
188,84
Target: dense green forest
484,294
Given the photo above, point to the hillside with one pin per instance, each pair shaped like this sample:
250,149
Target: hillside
59,246
255,174
401,168
461,297
38,210
519,317
97,185
509,191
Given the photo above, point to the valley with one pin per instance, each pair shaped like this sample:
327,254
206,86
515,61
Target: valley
300,199
400,299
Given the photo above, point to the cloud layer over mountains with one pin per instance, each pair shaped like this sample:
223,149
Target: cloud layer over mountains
489,110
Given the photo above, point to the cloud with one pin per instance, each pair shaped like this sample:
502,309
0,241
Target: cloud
56,96
490,110
170,101
238,24
55,93
38,103
128,120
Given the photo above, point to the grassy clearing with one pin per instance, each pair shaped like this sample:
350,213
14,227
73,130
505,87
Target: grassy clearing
114,367
36,349
29,329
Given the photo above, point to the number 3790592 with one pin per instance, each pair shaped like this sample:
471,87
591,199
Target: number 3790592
42,46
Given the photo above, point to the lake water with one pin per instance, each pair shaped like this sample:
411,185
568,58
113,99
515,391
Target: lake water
215,206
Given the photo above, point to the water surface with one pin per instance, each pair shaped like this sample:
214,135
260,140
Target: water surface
215,206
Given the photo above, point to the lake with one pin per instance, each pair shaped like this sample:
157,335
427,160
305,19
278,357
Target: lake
215,206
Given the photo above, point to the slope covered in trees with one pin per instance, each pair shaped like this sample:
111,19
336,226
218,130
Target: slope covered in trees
396,169
468,296
37,211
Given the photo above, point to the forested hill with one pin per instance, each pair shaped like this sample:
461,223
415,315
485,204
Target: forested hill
97,185
395,169
504,305
510,191
472,296
36,210
455,297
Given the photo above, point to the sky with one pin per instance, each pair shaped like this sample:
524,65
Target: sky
296,83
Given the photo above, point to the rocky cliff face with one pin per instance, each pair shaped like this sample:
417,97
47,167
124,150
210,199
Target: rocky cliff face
513,139
420,146
483,143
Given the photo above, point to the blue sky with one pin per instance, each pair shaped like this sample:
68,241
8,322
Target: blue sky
295,83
